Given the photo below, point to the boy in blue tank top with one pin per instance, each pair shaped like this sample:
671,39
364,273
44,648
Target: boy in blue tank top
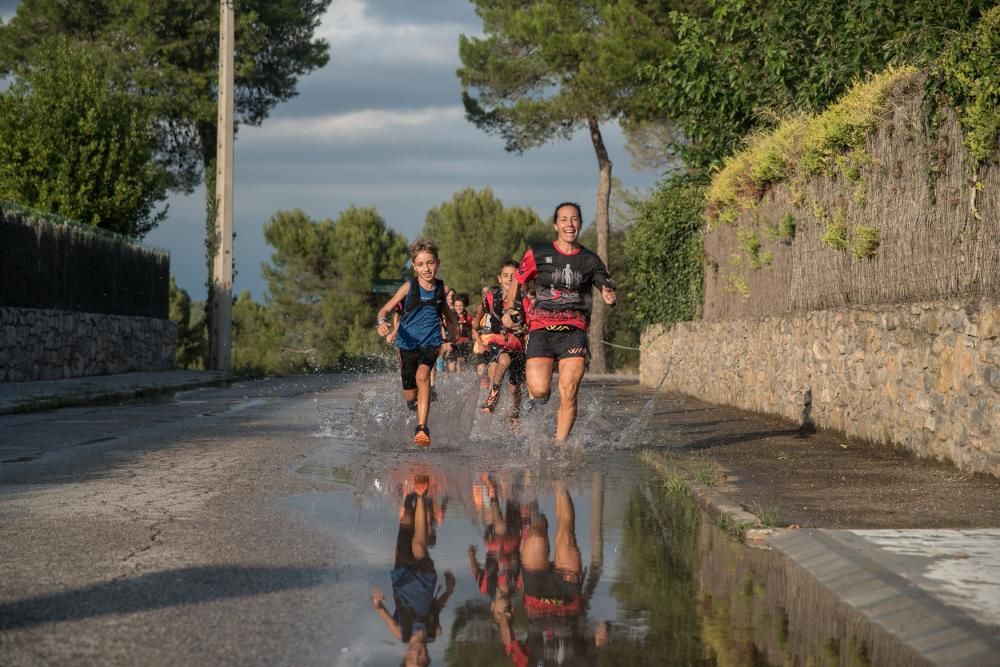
418,336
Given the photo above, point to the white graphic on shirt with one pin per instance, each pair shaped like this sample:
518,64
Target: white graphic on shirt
569,278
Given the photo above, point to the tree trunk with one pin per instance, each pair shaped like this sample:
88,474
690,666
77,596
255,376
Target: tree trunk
598,363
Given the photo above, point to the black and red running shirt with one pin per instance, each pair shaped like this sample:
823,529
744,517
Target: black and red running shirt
563,284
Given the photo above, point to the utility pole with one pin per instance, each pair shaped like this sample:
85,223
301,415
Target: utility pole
220,336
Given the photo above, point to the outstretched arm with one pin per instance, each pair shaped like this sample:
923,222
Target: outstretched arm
473,562
390,622
382,319
602,278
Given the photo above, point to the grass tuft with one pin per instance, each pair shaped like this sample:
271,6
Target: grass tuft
866,241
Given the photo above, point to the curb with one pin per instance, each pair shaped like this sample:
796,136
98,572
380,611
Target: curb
903,623
104,397
740,523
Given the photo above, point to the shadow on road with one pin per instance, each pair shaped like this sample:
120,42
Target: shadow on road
156,590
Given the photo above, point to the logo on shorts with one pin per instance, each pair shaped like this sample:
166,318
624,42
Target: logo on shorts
548,260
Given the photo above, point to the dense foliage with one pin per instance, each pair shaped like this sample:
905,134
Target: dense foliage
75,143
168,52
736,64
257,339
967,76
320,280
476,235
664,252
192,340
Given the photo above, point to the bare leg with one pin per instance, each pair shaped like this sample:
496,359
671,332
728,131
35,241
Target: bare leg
535,546
570,375
498,369
419,543
515,396
423,393
567,552
538,372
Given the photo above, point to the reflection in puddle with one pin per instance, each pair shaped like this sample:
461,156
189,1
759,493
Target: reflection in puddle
481,553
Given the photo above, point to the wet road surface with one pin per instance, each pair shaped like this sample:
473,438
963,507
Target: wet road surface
254,524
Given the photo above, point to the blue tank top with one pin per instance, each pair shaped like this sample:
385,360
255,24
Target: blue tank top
421,327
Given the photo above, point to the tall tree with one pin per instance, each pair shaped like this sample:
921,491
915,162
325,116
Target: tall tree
548,68
320,282
168,52
73,142
476,234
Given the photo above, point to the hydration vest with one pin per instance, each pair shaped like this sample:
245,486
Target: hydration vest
413,302
495,309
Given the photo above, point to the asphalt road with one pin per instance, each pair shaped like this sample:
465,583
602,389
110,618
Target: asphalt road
149,533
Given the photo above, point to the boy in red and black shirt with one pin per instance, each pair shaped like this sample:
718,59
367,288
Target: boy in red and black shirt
500,324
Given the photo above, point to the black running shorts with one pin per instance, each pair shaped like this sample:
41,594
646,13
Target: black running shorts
552,583
410,360
557,344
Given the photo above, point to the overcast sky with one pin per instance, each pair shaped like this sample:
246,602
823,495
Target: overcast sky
381,125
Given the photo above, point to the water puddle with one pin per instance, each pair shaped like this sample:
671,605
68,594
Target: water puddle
494,548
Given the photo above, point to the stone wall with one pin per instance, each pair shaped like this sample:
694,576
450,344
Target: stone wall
925,375
38,344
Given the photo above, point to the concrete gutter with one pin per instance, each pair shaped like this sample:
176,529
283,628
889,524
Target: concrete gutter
20,397
925,597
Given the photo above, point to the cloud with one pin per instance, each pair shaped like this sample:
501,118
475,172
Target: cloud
340,87
411,12
357,34
357,124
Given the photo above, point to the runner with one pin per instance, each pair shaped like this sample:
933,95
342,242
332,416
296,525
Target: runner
500,326
556,596
502,541
419,333
418,602
478,351
463,340
564,273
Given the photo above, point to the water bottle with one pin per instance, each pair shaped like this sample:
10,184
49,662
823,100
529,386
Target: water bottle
440,363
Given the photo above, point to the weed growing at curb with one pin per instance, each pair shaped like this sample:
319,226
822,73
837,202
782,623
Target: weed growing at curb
766,514
728,524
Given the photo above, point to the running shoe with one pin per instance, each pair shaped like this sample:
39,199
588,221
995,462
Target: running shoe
434,394
490,404
422,437
421,484
412,405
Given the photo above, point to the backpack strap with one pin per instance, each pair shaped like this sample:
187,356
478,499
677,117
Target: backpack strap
440,298
414,302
